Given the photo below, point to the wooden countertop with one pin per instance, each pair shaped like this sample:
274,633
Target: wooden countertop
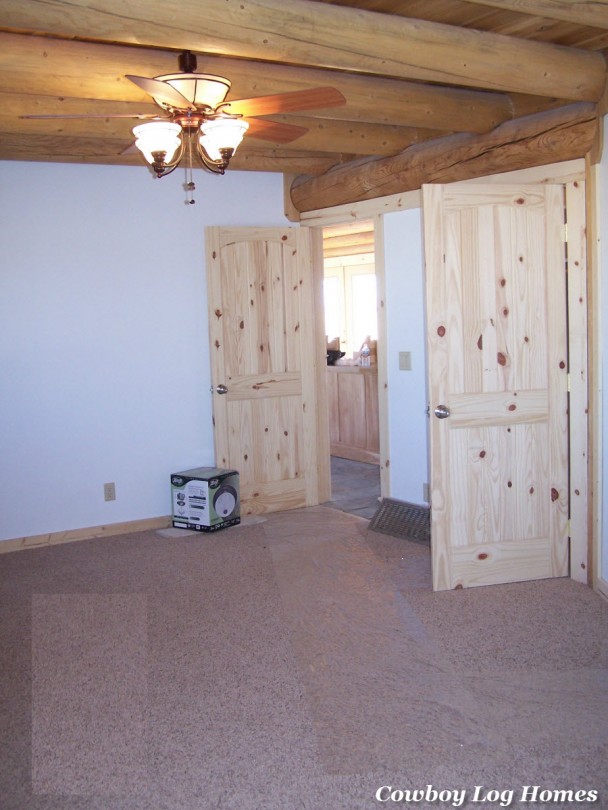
354,369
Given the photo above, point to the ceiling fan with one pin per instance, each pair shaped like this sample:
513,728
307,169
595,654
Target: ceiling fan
196,118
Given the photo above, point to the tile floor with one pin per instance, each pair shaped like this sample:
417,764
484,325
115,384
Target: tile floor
355,487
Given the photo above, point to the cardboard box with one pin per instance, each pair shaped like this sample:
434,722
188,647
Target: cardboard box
205,499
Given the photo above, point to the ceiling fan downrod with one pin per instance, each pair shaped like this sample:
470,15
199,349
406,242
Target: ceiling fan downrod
187,62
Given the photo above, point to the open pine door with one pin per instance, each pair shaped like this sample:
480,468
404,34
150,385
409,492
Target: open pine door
498,375
268,365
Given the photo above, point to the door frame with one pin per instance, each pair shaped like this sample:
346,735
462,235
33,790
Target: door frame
381,353
586,520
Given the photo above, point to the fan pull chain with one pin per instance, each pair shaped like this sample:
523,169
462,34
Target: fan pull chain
189,185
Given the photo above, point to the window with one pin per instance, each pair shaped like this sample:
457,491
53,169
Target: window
350,301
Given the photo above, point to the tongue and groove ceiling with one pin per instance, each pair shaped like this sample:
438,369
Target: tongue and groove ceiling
435,89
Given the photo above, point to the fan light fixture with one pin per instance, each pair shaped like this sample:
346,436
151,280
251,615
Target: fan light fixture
196,104
196,120
163,143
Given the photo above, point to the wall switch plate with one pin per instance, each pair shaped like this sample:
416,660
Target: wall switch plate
405,361
109,492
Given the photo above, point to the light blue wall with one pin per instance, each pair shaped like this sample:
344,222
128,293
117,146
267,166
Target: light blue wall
407,398
104,364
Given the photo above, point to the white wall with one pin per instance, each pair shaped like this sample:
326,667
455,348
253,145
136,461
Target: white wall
104,366
408,423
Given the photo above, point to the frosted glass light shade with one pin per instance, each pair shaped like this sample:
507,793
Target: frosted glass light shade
222,133
201,89
158,136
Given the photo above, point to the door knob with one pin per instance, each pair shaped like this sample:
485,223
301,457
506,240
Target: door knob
221,389
442,412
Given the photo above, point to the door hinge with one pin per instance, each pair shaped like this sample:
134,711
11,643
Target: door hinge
568,533
569,382
565,231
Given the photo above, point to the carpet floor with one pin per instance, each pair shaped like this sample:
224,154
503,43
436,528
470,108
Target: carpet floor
295,661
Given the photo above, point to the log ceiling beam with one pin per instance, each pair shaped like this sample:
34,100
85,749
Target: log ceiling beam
355,137
582,12
306,32
549,137
103,150
267,159
45,67
349,137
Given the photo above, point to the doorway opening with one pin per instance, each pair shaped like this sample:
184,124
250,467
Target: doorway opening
351,336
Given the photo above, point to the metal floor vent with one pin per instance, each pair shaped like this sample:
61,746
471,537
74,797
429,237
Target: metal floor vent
401,519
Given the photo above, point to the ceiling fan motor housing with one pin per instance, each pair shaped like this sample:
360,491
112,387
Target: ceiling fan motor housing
200,89
204,90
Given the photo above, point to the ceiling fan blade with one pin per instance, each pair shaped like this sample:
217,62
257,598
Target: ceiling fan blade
162,92
274,131
139,116
315,97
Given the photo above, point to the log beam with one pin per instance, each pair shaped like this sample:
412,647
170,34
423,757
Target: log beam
110,151
535,140
355,137
346,136
41,66
305,32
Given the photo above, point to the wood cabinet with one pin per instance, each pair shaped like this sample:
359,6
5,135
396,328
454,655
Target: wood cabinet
353,412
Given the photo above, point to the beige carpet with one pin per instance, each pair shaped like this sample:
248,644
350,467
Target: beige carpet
298,662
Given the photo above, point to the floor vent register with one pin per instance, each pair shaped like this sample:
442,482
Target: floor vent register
401,519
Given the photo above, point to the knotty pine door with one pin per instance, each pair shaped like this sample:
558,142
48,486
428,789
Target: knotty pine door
498,366
268,359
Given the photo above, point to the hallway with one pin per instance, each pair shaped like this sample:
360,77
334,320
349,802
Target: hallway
355,487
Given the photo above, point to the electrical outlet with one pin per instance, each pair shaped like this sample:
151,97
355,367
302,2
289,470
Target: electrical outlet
109,492
405,361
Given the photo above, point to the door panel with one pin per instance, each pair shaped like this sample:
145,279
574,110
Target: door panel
266,349
497,343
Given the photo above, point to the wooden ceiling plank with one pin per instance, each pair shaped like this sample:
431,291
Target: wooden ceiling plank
581,12
495,18
359,239
304,32
547,137
349,250
360,226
